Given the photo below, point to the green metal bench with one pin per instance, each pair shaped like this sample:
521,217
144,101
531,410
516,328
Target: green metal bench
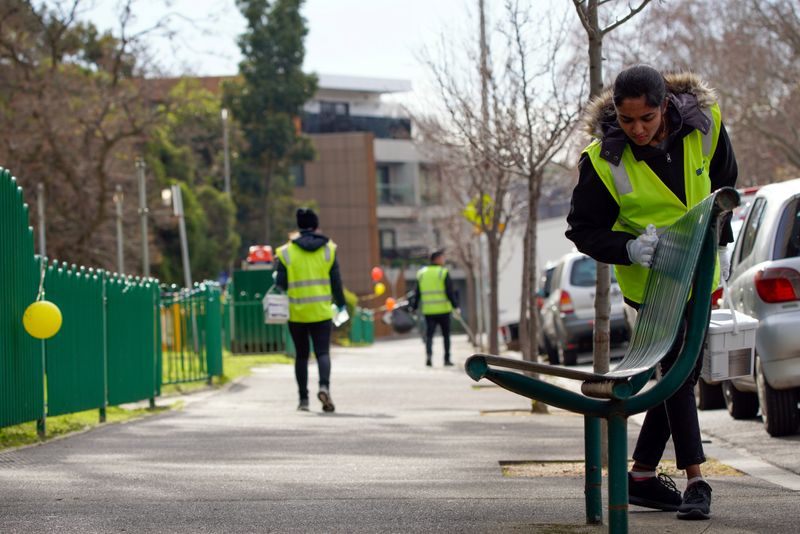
683,265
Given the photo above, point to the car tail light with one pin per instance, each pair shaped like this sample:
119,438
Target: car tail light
779,284
716,297
565,303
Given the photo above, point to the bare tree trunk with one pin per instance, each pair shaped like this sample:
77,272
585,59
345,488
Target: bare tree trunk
494,264
588,14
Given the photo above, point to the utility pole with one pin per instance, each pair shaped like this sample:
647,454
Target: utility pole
143,211
40,209
118,196
177,206
226,151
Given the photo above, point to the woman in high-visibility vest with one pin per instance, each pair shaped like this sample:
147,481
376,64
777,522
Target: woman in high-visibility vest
660,147
308,271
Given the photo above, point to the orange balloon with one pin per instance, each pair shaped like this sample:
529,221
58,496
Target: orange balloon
377,274
390,304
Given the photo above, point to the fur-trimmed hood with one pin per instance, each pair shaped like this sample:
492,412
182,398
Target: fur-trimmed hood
687,92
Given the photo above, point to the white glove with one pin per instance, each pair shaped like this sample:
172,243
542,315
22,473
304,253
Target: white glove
724,262
642,249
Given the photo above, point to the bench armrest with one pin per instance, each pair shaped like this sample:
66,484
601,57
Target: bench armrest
533,388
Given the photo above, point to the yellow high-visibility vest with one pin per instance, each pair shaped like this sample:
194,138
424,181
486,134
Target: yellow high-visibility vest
644,199
432,290
309,281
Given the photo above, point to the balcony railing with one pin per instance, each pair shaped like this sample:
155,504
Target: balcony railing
381,127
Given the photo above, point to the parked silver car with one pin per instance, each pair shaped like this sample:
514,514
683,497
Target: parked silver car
765,284
568,311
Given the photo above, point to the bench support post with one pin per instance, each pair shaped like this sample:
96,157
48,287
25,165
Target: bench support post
593,471
617,473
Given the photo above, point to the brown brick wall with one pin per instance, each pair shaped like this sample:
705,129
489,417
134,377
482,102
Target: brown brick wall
342,183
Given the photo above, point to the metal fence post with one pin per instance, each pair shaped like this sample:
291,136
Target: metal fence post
143,211
118,196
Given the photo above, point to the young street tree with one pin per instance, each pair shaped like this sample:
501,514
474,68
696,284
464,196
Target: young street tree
543,105
597,27
474,109
267,103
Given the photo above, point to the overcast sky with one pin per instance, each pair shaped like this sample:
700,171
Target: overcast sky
372,38
378,38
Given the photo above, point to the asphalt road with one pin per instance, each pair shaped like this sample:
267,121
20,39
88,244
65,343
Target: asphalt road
409,449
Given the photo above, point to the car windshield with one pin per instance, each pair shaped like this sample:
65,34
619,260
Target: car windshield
584,273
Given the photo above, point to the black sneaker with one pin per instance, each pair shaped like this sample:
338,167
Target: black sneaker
657,492
428,362
324,397
696,501
448,363
303,406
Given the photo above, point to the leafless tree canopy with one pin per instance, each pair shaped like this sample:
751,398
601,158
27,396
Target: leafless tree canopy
71,113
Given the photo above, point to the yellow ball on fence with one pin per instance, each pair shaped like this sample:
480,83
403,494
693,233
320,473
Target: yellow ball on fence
380,288
42,319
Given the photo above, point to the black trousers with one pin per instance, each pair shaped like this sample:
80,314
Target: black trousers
320,335
443,320
677,416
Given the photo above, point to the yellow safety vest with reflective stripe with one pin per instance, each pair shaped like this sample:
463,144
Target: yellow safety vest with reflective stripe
432,290
644,199
309,288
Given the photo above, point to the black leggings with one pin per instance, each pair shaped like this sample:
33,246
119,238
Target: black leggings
677,416
320,335
443,320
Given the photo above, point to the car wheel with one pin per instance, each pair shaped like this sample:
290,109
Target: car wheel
566,357
709,396
740,404
778,407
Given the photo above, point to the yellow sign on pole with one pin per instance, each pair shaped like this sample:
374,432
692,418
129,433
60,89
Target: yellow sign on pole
471,213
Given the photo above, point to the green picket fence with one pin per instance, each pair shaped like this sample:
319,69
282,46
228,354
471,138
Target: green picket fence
21,356
191,326
108,350
249,334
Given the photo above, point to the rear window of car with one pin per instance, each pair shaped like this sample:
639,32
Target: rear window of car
584,273
787,242
750,231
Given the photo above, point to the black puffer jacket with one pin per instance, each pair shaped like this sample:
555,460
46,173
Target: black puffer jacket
594,211
311,241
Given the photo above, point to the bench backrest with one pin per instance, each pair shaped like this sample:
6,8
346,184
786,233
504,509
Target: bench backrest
668,288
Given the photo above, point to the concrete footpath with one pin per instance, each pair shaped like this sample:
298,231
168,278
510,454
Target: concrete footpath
409,449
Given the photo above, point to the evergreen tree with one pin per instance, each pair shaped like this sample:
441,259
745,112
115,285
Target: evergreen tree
267,103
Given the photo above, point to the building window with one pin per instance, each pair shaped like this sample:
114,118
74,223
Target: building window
298,173
384,178
388,239
334,108
430,181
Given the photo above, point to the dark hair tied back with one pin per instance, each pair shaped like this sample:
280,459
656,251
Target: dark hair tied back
637,81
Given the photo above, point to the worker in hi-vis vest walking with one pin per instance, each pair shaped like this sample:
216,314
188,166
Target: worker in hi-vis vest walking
308,271
435,298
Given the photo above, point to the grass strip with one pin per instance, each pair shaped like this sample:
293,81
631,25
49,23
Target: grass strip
234,366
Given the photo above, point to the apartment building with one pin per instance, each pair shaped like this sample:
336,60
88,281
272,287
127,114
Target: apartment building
370,180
